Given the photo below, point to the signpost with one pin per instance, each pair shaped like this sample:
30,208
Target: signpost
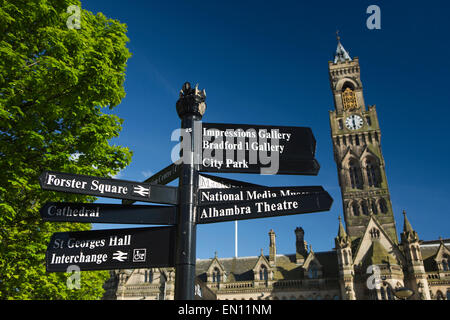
199,198
111,249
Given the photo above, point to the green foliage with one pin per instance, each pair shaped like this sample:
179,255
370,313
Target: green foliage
54,84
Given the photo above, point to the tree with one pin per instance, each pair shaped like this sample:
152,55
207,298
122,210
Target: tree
57,87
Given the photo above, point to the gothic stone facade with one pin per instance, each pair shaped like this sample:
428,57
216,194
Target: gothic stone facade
368,244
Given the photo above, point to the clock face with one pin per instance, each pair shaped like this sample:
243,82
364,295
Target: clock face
354,122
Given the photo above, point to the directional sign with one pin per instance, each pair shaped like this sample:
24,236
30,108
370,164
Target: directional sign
242,148
108,213
211,196
112,249
110,188
162,177
265,207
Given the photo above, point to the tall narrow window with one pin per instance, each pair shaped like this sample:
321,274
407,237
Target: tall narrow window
371,174
374,207
355,208
390,296
355,177
383,206
263,274
341,125
216,275
357,140
383,293
369,122
364,207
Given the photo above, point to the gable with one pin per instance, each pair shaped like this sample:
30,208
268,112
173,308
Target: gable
374,231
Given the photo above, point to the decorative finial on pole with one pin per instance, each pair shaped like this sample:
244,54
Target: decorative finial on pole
337,36
191,101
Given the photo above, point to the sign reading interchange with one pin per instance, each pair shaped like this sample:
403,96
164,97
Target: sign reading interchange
112,249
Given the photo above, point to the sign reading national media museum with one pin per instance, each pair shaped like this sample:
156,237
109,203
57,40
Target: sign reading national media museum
217,205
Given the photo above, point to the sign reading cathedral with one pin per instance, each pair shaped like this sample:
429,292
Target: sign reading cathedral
108,213
112,249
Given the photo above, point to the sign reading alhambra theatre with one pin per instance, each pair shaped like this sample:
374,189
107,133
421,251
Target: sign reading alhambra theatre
111,249
218,205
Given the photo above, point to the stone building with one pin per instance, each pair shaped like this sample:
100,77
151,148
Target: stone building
367,249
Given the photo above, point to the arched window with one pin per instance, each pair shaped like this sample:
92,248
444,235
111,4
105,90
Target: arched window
148,277
216,275
371,173
439,295
383,206
365,209
382,293
445,265
374,207
355,208
390,296
263,273
312,272
448,294
355,175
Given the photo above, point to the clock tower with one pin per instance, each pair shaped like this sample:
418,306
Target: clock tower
356,136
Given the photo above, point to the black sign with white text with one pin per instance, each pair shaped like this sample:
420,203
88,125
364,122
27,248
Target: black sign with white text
112,249
162,177
110,188
264,207
210,196
108,213
243,148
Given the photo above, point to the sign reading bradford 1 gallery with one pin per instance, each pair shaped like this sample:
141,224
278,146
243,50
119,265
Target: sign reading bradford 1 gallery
112,249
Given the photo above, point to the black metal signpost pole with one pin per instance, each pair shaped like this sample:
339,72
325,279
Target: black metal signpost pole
190,107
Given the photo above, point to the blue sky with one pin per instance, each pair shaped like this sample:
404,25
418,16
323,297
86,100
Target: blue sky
267,63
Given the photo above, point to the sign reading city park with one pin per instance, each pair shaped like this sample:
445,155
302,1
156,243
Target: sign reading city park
240,148
111,249
206,147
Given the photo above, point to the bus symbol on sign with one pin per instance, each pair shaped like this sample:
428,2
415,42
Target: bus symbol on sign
139,255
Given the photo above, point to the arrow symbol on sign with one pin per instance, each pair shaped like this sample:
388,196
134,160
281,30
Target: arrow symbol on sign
120,256
141,190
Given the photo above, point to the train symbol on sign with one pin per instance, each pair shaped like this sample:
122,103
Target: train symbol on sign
141,190
139,255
